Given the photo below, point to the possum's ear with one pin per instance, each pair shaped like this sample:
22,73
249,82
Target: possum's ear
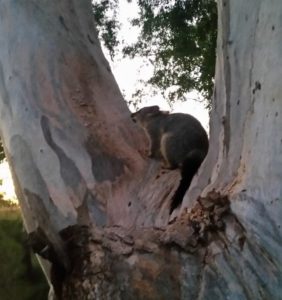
145,113
154,108
153,111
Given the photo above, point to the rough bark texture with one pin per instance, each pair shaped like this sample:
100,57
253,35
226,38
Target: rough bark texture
98,209
245,157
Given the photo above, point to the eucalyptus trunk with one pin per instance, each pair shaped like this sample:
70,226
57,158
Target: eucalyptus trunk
97,209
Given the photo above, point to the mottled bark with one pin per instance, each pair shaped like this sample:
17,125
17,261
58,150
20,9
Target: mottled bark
76,157
245,158
97,207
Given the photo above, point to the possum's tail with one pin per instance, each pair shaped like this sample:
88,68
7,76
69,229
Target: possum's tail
189,168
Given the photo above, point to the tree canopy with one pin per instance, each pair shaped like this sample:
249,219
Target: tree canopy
178,38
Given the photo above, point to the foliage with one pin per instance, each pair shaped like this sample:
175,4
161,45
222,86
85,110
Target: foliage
2,154
20,274
179,39
7,204
105,13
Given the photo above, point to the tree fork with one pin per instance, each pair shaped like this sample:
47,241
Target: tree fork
81,172
118,263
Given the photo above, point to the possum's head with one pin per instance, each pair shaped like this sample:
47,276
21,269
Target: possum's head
146,114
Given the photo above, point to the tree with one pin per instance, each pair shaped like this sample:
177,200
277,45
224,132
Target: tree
105,12
2,154
183,58
179,39
97,208
19,268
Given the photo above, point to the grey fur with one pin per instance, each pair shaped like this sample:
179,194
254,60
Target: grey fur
174,138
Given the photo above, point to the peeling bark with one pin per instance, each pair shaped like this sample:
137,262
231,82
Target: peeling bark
244,161
97,208
76,157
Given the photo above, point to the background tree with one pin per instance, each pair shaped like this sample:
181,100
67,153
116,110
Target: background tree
106,18
179,39
2,154
20,274
97,206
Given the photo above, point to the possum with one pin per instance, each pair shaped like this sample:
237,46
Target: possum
178,140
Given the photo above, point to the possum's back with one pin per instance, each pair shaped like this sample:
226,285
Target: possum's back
187,127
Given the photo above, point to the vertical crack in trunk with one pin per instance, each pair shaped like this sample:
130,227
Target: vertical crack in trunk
227,74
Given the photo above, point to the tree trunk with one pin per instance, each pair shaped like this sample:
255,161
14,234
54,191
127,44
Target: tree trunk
97,208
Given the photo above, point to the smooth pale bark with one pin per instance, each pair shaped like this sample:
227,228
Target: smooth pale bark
245,158
77,159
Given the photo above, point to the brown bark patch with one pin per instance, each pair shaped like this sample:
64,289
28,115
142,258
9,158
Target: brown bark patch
196,227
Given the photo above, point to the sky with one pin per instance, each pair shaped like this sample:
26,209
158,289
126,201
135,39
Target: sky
127,73
7,187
